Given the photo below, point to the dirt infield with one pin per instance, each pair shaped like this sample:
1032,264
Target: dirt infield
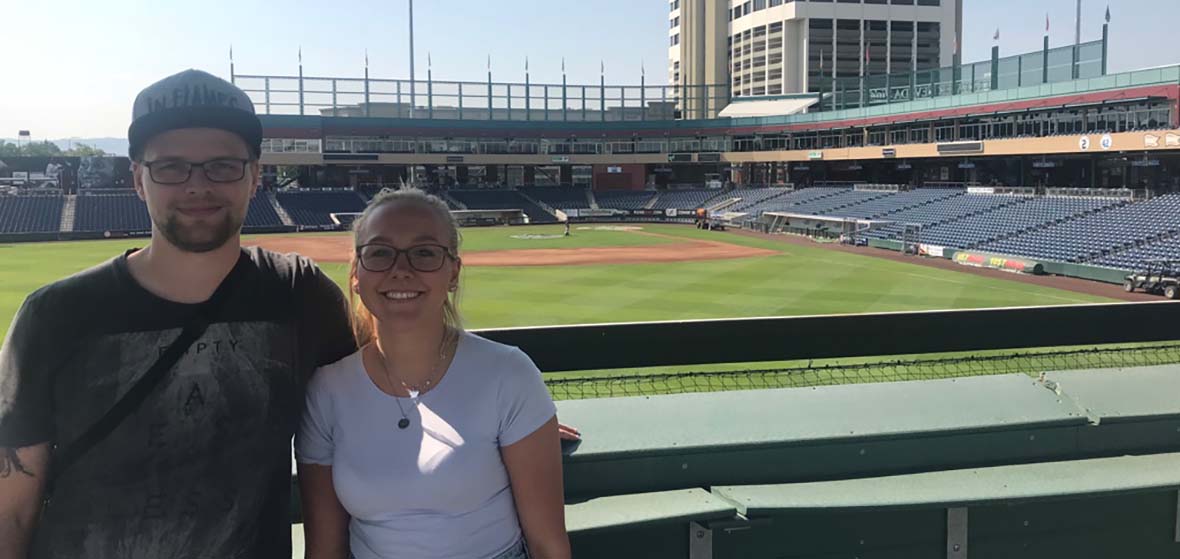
336,249
1060,282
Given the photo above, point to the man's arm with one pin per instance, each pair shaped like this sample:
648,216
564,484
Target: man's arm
325,522
23,473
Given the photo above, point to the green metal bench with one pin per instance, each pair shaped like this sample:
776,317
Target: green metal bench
1124,505
643,444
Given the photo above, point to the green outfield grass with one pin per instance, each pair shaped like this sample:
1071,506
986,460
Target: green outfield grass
796,280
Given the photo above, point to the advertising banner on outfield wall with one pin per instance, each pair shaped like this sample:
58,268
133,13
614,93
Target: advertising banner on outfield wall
585,212
931,250
997,262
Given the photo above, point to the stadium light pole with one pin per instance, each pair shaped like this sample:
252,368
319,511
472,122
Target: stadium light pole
413,94
1077,42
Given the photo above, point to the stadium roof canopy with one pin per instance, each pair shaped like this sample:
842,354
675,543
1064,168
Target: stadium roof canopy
773,106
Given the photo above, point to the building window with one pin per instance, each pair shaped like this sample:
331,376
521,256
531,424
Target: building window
774,3
759,5
929,3
675,40
675,22
746,9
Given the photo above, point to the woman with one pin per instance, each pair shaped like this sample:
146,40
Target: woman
429,441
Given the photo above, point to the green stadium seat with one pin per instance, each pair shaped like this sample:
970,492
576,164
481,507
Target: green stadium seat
646,509
964,488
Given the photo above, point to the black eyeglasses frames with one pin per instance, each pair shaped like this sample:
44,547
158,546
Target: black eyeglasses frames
380,257
177,171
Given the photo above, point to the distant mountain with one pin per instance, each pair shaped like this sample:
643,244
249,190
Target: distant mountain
113,146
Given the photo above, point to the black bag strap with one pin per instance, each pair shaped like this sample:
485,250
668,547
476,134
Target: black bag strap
135,396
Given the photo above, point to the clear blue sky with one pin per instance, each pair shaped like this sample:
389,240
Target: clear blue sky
71,69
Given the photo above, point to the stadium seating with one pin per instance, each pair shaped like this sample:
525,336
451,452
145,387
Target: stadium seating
111,212
1097,235
30,214
788,200
1167,248
261,213
686,199
562,198
1010,220
942,211
314,207
752,197
895,202
496,199
126,212
624,199
835,205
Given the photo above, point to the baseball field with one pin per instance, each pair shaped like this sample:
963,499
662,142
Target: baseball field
521,276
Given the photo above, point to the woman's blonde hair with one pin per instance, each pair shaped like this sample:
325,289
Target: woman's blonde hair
363,322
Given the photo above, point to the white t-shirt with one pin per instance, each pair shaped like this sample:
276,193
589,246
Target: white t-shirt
437,488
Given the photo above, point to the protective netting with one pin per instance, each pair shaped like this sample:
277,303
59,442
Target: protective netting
1031,362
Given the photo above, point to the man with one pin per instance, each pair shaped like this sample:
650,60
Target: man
201,466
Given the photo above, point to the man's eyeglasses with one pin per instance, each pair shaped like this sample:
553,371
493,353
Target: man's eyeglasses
175,171
377,257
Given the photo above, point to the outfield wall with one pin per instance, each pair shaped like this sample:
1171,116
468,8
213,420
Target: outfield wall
1026,265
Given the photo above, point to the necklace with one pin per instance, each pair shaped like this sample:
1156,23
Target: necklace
415,390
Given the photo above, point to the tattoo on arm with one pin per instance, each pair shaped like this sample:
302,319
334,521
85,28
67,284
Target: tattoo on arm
10,463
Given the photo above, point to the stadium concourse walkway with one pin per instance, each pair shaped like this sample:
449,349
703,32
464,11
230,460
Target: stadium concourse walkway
1067,465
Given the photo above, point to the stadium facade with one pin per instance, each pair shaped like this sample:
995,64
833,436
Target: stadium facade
989,155
771,48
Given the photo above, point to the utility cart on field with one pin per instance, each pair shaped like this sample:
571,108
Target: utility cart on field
1161,277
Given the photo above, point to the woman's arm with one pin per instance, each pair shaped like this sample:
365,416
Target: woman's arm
534,470
325,522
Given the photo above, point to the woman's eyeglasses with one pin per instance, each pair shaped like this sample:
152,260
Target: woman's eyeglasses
377,257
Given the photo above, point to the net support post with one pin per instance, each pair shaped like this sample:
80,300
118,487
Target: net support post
1176,535
700,541
956,533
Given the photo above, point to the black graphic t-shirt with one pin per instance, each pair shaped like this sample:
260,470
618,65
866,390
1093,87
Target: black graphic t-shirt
202,468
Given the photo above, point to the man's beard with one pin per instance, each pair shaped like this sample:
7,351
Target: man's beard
202,236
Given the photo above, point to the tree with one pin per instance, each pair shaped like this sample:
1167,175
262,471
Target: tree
41,149
84,150
32,149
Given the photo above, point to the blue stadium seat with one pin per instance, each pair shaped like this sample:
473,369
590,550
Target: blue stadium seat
502,199
30,213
